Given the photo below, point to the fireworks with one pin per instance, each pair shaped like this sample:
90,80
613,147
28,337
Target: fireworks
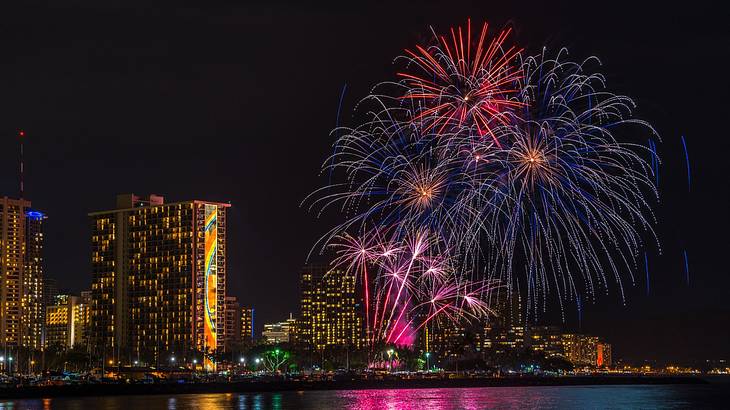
454,87
413,283
481,165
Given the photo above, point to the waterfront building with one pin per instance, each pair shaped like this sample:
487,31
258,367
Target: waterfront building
280,332
443,338
546,340
603,355
158,280
586,350
65,319
331,310
21,274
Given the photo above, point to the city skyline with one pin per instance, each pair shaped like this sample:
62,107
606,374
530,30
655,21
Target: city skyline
271,249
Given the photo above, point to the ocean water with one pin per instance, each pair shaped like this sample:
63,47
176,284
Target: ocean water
562,397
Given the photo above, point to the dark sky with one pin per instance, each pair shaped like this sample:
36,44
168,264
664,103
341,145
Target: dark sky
235,103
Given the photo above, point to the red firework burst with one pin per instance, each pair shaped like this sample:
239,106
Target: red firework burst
458,86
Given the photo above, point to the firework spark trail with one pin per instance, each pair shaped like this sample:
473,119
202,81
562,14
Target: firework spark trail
654,160
646,267
337,123
517,168
686,158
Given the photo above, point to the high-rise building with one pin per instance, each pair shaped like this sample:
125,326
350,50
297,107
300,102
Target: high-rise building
331,311
21,274
280,332
247,328
232,324
158,279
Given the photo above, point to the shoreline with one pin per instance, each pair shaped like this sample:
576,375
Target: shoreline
86,390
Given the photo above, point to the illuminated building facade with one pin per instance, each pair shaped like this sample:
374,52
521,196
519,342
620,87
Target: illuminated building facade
443,338
21,274
603,355
331,311
158,279
585,350
546,340
232,324
280,332
65,319
247,326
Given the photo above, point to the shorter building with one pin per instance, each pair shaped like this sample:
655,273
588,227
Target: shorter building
603,355
281,332
502,339
546,340
585,350
232,324
247,328
443,337
67,322
549,341
82,320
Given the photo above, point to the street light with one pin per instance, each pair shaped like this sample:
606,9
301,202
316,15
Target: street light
428,366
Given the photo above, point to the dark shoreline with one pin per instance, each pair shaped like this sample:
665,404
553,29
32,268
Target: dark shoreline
274,386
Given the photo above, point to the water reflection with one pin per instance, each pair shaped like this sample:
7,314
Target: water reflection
578,397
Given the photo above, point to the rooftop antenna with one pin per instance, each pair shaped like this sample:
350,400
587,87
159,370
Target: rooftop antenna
21,135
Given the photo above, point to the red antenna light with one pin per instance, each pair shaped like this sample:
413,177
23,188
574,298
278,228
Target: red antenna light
21,134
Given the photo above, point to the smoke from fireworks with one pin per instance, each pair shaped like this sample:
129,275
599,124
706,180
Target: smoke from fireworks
484,164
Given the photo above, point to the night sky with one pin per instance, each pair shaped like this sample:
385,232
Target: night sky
236,102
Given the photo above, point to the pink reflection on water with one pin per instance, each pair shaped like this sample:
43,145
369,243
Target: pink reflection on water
446,398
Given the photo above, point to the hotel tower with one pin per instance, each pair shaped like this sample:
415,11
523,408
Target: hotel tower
158,281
